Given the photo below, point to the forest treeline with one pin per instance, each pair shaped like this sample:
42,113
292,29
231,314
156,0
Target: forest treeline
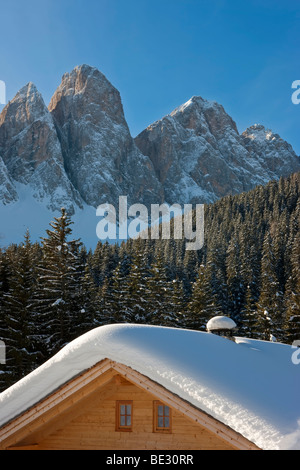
249,269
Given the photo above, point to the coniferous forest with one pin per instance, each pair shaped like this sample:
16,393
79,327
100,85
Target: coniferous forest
249,269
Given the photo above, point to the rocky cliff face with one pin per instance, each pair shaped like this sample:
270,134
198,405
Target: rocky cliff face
101,158
78,152
276,157
199,155
8,194
31,151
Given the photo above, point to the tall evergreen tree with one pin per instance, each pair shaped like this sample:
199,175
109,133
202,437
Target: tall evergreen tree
235,286
57,300
86,310
203,304
117,295
270,304
135,296
18,313
292,321
248,320
159,294
177,304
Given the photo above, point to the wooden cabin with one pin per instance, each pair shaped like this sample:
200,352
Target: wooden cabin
136,387
112,407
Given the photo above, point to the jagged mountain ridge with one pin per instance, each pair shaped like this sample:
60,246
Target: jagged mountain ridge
78,152
199,154
31,152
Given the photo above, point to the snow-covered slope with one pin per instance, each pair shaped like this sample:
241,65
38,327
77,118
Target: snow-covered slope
251,386
25,212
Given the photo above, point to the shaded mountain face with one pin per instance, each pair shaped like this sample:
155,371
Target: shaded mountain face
274,154
100,156
8,194
78,152
199,155
31,151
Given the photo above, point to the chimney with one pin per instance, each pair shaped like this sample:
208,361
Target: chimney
222,326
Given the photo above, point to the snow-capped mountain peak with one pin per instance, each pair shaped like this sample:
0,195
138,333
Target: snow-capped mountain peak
31,151
199,155
79,153
100,156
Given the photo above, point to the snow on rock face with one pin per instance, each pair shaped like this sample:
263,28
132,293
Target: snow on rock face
31,150
79,153
199,155
252,386
100,156
8,193
276,156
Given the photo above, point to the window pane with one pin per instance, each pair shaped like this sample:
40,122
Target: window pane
128,421
160,422
167,411
122,410
122,421
160,410
167,422
128,409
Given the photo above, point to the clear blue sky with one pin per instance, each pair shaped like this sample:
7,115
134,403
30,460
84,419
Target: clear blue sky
159,53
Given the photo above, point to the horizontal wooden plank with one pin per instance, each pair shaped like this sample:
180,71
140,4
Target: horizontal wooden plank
82,416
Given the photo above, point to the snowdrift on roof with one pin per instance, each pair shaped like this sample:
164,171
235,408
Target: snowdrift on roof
252,386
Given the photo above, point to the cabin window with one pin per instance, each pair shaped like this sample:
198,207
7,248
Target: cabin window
124,416
162,417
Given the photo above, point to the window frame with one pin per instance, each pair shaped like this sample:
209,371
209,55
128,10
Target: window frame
156,428
125,428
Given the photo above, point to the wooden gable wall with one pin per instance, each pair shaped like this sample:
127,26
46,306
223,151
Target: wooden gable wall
84,417
94,422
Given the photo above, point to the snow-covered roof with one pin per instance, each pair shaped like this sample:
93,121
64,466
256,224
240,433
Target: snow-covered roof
252,386
220,323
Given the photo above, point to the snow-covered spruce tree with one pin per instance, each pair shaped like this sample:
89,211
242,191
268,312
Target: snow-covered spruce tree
235,285
58,301
135,297
250,257
159,306
105,314
20,335
215,272
292,296
170,257
104,261
178,302
87,299
114,303
248,319
202,305
270,303
5,272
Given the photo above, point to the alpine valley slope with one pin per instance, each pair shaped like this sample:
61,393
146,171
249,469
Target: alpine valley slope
78,153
